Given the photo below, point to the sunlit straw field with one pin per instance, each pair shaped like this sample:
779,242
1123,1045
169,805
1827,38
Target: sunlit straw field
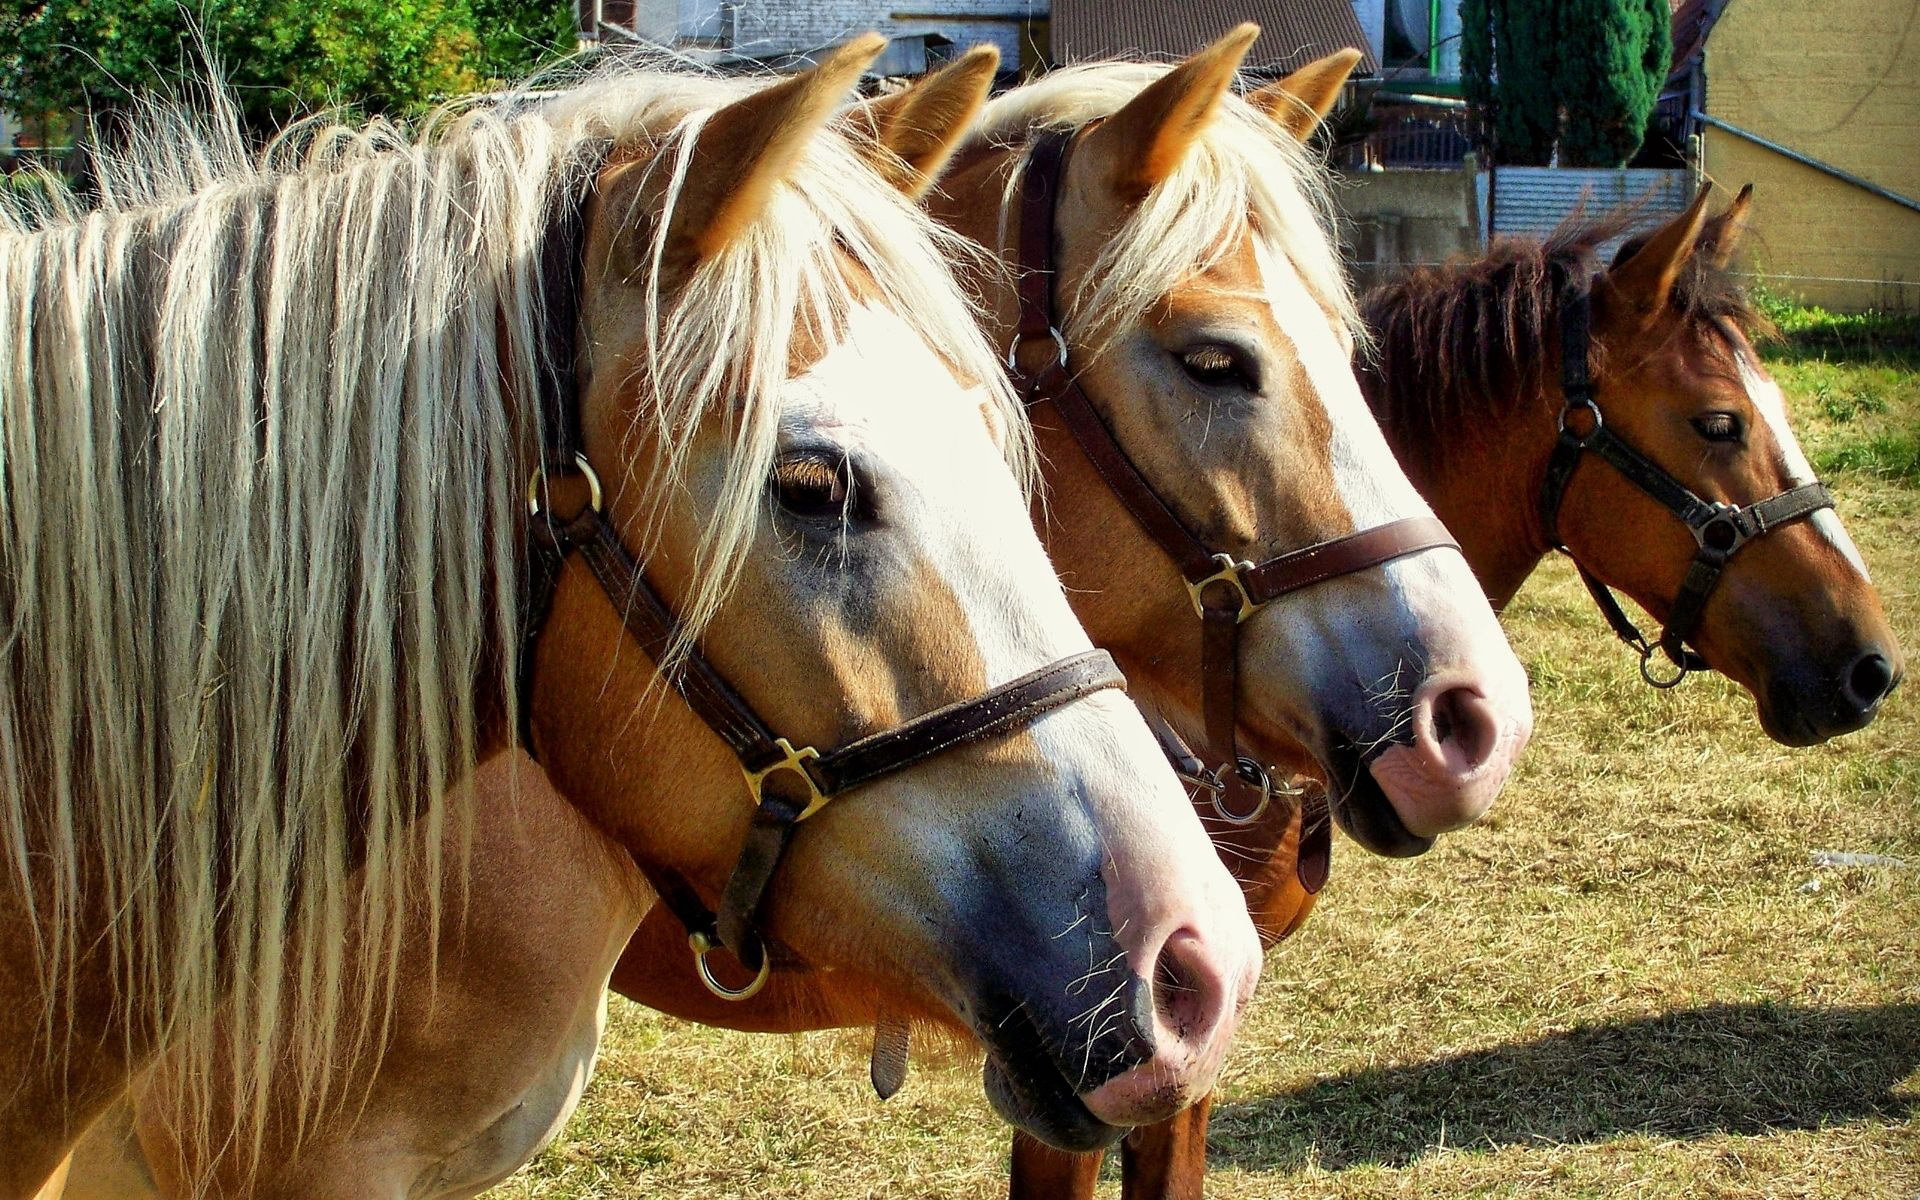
1632,980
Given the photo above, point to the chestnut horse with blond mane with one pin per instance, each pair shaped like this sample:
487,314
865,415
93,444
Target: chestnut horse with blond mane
1474,412
1204,320
268,428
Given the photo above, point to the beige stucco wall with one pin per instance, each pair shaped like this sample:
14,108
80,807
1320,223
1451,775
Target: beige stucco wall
1393,221
1838,81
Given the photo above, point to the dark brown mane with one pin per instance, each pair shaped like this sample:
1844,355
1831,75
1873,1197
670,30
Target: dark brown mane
1463,343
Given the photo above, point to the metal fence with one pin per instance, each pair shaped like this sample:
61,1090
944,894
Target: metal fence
1419,139
1532,201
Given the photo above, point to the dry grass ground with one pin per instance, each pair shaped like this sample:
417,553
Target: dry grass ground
1632,980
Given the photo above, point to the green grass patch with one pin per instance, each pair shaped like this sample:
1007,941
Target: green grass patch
1894,456
1809,332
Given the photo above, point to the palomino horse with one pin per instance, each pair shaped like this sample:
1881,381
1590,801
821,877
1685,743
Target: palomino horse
1203,316
1327,476
257,636
1650,444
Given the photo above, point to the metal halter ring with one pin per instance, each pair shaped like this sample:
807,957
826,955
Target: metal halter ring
703,946
795,761
540,475
1253,773
1724,517
1646,669
1593,410
1060,347
1231,573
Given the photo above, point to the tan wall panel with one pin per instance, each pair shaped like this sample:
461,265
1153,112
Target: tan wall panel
1840,82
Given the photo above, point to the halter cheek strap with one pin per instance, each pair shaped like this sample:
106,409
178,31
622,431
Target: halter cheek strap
1719,530
787,783
1225,590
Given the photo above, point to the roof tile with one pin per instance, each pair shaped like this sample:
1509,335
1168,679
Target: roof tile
1294,32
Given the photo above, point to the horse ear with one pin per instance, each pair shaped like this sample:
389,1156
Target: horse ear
1300,101
746,148
1146,140
920,128
1722,236
1646,280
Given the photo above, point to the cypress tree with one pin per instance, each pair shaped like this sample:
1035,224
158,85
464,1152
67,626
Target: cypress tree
1618,57
1579,75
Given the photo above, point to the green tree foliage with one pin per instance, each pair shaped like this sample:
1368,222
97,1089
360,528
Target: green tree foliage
279,56
1579,75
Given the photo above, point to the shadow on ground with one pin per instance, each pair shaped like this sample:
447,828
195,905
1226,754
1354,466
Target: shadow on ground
1742,1069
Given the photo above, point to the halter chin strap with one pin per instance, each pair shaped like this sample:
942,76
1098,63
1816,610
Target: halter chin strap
788,783
1719,530
1225,590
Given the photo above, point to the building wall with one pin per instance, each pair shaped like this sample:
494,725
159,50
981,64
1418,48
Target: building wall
1393,221
1838,81
771,26
1372,15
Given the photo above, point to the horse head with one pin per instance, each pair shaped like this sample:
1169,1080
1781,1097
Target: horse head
1792,615
811,450
1200,310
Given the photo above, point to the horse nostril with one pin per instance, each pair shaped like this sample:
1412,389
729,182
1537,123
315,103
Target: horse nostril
1464,726
1868,681
1187,996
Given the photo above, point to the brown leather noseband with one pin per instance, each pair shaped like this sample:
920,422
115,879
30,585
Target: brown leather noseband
1225,590
788,783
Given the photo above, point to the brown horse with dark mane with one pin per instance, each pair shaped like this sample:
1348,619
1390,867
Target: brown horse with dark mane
1543,399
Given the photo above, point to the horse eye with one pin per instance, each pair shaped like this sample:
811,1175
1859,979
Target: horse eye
812,485
1210,364
1718,427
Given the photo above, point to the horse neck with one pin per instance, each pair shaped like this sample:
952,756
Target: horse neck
1483,477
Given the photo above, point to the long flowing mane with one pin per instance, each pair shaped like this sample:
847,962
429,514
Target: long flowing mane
260,453
1245,174
1467,342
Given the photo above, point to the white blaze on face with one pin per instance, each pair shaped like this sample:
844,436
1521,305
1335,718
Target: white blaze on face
949,490
1369,479
1436,586
883,390
1772,407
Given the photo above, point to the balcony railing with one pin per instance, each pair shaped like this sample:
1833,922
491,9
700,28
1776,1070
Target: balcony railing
1410,139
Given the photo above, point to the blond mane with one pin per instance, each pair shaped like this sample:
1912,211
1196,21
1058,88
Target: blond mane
1244,175
262,440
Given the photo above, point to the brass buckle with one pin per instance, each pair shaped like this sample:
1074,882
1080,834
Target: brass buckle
703,947
1231,572
539,476
795,761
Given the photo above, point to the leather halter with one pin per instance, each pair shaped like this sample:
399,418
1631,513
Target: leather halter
1719,529
1225,590
788,783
